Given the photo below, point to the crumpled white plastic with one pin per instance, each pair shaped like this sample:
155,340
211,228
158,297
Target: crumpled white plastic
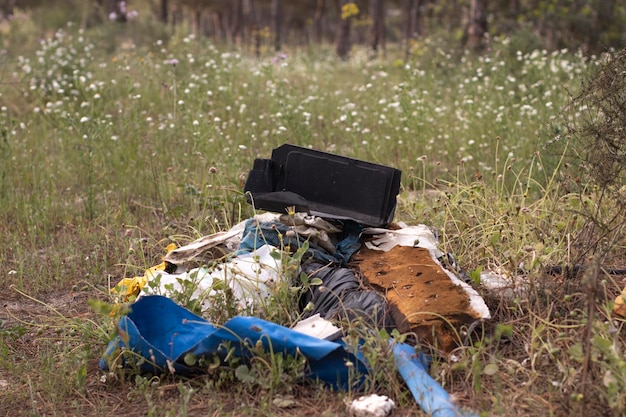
420,236
249,276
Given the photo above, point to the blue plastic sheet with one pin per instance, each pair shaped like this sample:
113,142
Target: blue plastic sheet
161,334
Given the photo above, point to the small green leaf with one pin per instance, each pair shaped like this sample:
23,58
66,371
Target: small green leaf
215,363
190,359
504,331
495,239
475,275
603,344
218,285
243,374
316,281
384,335
101,307
576,352
490,369
81,375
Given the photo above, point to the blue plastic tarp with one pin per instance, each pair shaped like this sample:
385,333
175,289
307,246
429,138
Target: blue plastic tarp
161,334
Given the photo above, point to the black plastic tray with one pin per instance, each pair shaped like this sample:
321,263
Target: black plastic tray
324,185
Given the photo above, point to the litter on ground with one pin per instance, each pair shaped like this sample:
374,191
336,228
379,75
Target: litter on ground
384,275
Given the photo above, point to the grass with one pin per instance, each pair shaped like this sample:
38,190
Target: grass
115,143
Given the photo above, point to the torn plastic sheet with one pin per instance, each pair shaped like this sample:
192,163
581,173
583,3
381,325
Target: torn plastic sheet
212,246
250,276
161,345
258,231
419,236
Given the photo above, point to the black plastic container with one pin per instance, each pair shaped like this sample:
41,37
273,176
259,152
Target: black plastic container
324,185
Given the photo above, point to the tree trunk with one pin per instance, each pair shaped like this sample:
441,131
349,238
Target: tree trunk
343,34
250,25
252,16
320,10
377,30
477,25
413,24
547,30
176,15
6,8
197,22
164,9
236,28
604,18
218,27
277,17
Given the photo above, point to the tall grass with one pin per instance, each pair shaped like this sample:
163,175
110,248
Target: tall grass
91,136
114,143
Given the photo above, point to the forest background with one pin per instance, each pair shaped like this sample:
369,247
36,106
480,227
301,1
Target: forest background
591,26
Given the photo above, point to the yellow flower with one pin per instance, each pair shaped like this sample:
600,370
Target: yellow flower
349,10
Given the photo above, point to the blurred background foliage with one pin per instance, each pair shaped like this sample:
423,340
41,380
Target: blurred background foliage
592,26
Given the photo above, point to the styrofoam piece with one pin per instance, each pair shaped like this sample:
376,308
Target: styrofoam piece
373,405
319,327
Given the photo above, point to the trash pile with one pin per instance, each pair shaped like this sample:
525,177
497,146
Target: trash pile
363,266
